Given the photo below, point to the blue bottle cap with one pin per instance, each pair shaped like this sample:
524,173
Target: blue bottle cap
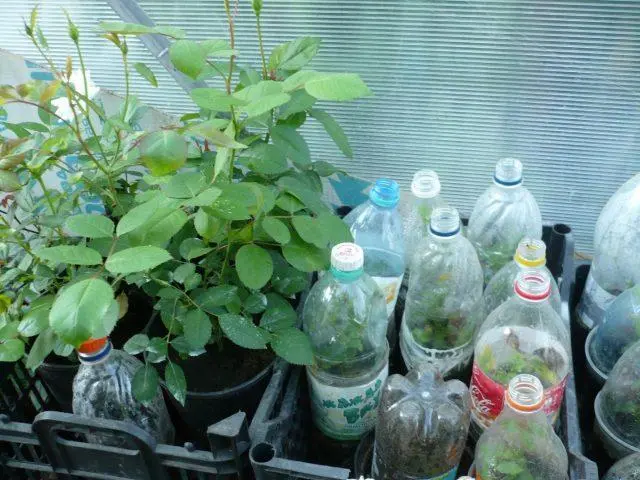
385,193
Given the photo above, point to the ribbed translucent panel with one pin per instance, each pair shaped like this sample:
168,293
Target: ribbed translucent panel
458,84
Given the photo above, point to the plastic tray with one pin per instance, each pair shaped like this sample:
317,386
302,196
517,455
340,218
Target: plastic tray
284,441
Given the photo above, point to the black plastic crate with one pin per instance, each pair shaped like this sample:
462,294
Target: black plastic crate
283,440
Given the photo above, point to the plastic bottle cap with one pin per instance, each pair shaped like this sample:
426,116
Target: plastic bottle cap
532,285
508,172
347,257
531,252
525,393
445,222
92,345
425,184
385,193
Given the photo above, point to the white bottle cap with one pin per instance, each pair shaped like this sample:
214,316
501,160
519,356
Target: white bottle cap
425,184
347,257
508,172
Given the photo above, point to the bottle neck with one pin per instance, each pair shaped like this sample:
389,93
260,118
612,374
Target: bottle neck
507,185
346,276
97,357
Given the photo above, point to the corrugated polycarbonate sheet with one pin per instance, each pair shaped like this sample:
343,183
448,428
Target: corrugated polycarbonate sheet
457,84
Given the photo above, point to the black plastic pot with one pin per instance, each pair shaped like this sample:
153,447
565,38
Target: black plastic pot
58,377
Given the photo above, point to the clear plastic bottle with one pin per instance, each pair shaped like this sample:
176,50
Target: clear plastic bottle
530,255
503,215
425,198
377,227
626,469
345,317
521,444
617,406
444,303
616,265
618,331
422,426
523,335
103,388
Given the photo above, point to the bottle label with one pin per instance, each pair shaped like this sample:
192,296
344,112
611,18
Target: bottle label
487,398
594,302
390,286
346,413
450,475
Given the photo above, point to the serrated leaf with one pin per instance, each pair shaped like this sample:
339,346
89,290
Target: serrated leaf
337,230
266,159
211,299
337,87
185,185
293,345
188,57
242,331
206,225
291,144
279,317
145,383
146,73
334,130
211,132
90,226
197,329
136,259
41,348
162,152
191,248
300,101
304,193
265,104
254,266
233,203
304,256
184,271
214,99
216,48
205,198
36,319
277,230
70,254
136,344
325,169
255,303
176,382
298,80
140,215
157,350
289,203
294,55
310,230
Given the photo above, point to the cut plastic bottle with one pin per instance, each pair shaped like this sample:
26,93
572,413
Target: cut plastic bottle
444,305
346,318
530,255
626,469
523,335
617,406
425,198
422,426
521,444
616,264
503,215
103,388
377,227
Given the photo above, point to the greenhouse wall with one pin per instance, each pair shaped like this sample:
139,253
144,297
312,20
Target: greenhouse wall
457,84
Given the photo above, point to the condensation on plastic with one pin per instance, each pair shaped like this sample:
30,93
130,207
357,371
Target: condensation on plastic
616,263
619,329
104,390
501,217
422,426
626,469
521,445
500,288
443,308
617,407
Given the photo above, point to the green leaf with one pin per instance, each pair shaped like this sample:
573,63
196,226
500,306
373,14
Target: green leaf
298,80
79,310
294,346
9,181
254,266
41,348
214,99
185,185
286,279
294,55
183,272
206,225
300,101
89,225
255,303
146,73
233,203
337,230
162,152
292,144
334,130
211,132
277,230
36,127
197,329
36,319
168,31
223,155
145,383
160,228
303,193
136,259
123,28
136,344
279,317
242,331
257,7
141,214
305,257
11,350
188,57
157,350
216,297
191,248
216,48
289,203
266,159
205,198
9,330
509,468
338,87
176,382
265,104
325,169
310,230
70,254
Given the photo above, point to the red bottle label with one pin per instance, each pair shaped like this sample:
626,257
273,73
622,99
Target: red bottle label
487,397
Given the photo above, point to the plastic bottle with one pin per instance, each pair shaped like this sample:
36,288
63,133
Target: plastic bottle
377,227
425,198
422,426
521,444
503,215
103,388
626,469
345,317
444,304
530,255
616,263
523,335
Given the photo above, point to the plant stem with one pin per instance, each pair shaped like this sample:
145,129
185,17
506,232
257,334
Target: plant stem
126,82
232,42
265,73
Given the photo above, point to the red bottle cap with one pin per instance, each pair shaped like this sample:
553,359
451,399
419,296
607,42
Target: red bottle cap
92,345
